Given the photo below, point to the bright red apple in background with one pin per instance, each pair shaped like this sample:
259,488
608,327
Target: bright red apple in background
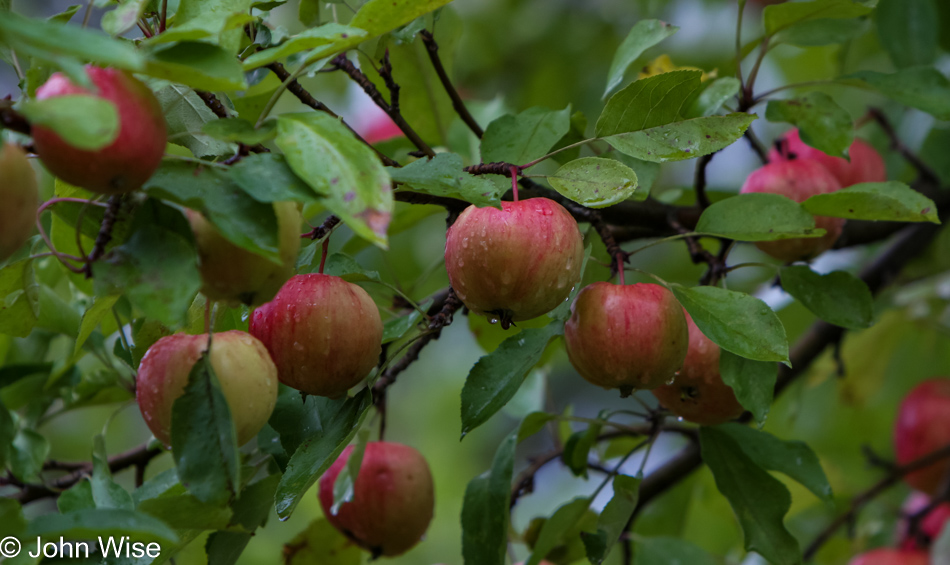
19,199
324,334
699,395
891,557
922,427
393,498
516,263
247,375
131,159
235,275
798,179
626,336
931,526
866,164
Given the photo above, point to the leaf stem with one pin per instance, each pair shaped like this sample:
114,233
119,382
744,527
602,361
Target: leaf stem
556,151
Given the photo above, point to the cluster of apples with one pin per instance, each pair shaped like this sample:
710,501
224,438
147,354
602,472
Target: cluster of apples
799,171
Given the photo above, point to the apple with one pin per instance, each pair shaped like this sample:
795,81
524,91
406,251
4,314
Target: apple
133,156
516,263
922,427
247,375
798,179
891,557
931,526
866,164
699,395
393,498
235,275
626,336
20,197
324,334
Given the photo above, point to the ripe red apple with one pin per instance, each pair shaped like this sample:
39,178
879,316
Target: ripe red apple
698,393
866,164
516,263
923,426
247,375
19,197
393,498
131,159
235,275
626,336
931,526
798,179
324,334
891,557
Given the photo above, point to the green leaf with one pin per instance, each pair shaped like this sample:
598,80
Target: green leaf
839,297
753,382
533,423
924,88
496,377
91,318
577,448
215,21
267,177
204,439
186,512
757,217
649,103
83,121
64,16
485,509
345,267
7,434
186,115
340,421
78,497
27,454
792,458
554,529
443,176
612,522
823,124
525,137
11,516
322,543
735,321
89,524
891,201
199,65
711,99
397,328
329,158
681,140
19,299
664,551
596,182
816,33
759,501
249,512
343,485
783,16
236,129
329,33
123,17
106,493
643,35
909,30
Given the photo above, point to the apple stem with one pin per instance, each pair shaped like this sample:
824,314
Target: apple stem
620,269
514,181
323,256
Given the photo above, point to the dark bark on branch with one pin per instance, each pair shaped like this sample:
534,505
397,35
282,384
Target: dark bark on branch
432,48
12,120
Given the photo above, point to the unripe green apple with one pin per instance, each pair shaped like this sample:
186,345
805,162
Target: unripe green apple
247,375
127,162
922,427
891,557
798,179
19,199
865,165
626,336
516,263
324,334
393,498
698,394
235,275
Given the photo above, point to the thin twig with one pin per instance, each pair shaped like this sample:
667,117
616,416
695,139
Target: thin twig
926,173
432,48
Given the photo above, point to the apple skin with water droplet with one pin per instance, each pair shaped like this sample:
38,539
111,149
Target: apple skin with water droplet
237,276
799,180
922,427
516,263
245,370
891,557
699,394
393,498
865,165
126,163
626,336
19,199
324,334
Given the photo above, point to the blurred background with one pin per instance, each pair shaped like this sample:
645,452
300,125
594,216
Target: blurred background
514,54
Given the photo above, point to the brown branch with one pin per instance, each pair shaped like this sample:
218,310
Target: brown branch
699,184
432,48
212,102
324,229
923,169
11,119
105,232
